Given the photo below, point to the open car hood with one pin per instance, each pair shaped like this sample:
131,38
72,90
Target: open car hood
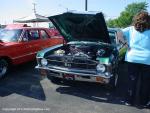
75,26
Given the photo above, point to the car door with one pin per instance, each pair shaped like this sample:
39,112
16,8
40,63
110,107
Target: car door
31,43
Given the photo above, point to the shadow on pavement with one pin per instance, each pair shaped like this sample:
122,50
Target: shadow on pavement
97,92
21,82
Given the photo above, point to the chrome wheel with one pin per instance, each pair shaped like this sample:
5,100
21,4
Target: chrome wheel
3,67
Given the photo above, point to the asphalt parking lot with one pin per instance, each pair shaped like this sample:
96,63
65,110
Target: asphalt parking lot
22,91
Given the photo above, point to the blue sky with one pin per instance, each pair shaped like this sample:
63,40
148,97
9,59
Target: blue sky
14,9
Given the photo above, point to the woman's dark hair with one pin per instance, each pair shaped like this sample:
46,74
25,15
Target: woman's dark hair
141,21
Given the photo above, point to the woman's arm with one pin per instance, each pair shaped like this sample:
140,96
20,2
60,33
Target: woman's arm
120,37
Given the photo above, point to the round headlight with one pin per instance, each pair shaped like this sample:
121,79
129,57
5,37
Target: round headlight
101,68
44,62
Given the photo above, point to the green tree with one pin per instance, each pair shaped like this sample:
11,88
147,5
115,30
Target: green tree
126,16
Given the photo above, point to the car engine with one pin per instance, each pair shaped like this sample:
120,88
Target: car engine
84,51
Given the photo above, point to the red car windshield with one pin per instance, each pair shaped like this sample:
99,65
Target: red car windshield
10,35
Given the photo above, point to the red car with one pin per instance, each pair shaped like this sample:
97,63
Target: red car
19,44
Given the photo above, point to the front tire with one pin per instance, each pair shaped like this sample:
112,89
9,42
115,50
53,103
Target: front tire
3,67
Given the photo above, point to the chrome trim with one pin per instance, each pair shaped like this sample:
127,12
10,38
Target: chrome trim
38,57
44,51
73,71
92,79
74,57
81,78
24,55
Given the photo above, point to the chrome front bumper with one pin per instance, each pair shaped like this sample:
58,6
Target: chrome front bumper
78,75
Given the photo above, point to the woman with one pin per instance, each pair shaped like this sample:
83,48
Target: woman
138,58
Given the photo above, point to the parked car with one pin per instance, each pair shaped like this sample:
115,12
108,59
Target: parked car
54,32
91,54
19,44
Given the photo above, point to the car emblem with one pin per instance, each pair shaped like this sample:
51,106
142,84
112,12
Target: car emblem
66,62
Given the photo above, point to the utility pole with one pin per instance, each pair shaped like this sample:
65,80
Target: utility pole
86,5
34,9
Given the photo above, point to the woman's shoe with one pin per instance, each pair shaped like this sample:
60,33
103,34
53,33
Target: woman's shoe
128,103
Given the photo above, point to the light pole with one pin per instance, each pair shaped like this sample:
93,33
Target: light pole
86,5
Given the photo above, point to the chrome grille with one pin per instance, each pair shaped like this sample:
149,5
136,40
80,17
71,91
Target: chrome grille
72,62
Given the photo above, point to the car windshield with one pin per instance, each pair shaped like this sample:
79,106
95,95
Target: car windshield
10,35
112,37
